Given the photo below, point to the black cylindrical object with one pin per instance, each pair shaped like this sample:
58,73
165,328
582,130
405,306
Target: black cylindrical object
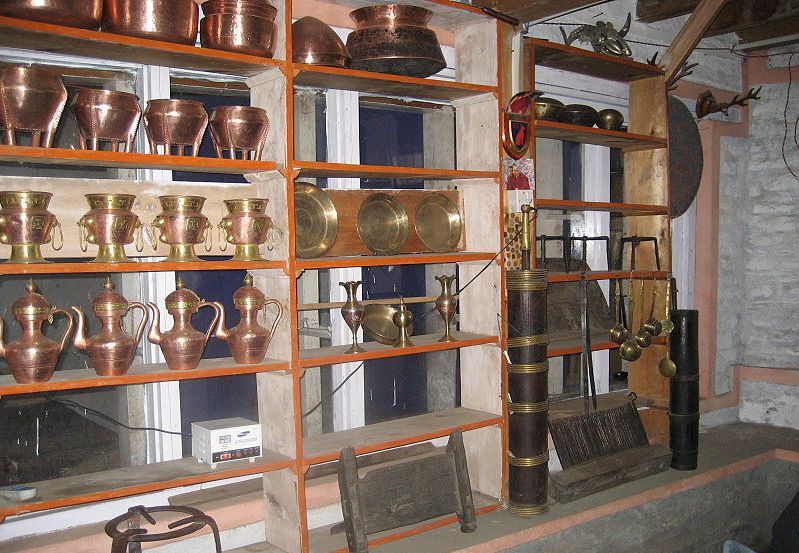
684,390
529,392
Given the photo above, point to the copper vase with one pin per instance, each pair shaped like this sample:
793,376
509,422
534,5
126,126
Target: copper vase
352,312
26,224
111,350
86,14
181,225
33,356
446,304
246,226
182,345
111,225
175,125
249,341
239,130
32,101
106,116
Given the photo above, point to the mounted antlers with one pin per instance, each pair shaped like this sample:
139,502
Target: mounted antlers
707,103
686,69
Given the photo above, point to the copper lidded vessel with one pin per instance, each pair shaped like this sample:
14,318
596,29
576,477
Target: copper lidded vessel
167,20
246,226
246,26
249,341
315,43
32,100
181,225
239,130
182,345
111,350
33,356
26,224
106,116
110,224
175,124
86,14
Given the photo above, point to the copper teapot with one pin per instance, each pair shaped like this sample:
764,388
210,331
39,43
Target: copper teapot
183,345
33,356
111,350
249,340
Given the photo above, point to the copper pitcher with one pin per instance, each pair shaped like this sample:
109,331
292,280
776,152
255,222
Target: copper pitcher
106,116
111,225
33,356
183,345
247,227
249,340
111,350
26,224
175,124
239,129
32,100
181,225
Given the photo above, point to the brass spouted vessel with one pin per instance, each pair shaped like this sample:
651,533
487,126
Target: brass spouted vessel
183,345
111,350
33,356
26,224
249,341
246,226
111,225
181,225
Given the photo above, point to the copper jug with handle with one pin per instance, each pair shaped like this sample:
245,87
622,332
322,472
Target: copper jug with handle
111,350
33,356
183,345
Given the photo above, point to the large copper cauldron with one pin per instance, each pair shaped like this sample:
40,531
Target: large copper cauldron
239,129
26,224
168,20
246,226
246,26
394,38
111,225
31,100
175,123
181,225
86,14
315,43
108,116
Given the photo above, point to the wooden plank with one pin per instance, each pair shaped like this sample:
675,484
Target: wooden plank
625,208
395,433
689,36
568,344
384,260
386,301
424,343
321,169
260,547
626,141
137,267
608,472
127,481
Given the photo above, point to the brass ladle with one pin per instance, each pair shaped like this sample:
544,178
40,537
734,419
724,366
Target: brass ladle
652,325
642,337
667,367
619,333
666,324
630,350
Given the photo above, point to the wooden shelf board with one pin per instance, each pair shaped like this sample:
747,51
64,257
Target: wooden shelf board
385,85
260,547
31,35
424,343
320,169
384,260
629,142
133,160
587,62
127,481
137,374
574,276
576,205
560,345
395,433
136,267
447,14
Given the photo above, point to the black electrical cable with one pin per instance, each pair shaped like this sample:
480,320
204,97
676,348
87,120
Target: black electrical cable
99,414
785,120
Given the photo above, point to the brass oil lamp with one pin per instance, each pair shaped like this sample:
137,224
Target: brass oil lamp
26,224
246,226
110,224
181,225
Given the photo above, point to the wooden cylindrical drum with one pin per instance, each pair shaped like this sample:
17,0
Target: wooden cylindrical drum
528,391
684,390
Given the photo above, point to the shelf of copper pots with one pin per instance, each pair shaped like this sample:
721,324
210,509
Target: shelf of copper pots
135,266
626,141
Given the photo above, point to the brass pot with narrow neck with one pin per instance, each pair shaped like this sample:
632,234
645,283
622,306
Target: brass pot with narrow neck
110,224
246,226
181,225
403,318
26,224
111,350
249,341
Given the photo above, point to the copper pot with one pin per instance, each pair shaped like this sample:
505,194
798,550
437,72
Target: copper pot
31,100
26,224
111,225
239,128
315,43
33,356
258,8
86,14
394,38
246,226
106,115
579,114
181,225
175,123
111,350
236,32
610,119
167,20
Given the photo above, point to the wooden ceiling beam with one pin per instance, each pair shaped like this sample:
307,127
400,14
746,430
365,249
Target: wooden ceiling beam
690,35
736,15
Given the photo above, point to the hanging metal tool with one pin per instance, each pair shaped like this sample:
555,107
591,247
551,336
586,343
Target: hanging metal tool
586,358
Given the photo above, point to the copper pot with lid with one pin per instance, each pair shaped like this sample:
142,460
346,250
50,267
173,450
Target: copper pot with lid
315,43
86,14
106,116
167,20
32,100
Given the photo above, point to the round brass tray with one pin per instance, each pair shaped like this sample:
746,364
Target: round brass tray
382,224
438,223
378,323
315,219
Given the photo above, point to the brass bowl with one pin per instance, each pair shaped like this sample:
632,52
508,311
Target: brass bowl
579,114
315,43
548,109
315,220
438,223
86,14
167,20
378,323
382,224
610,119
235,32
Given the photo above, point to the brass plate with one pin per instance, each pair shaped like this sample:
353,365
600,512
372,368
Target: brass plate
382,224
438,223
315,220
378,323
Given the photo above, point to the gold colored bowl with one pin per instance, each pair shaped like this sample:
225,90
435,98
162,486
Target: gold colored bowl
315,220
378,323
382,224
